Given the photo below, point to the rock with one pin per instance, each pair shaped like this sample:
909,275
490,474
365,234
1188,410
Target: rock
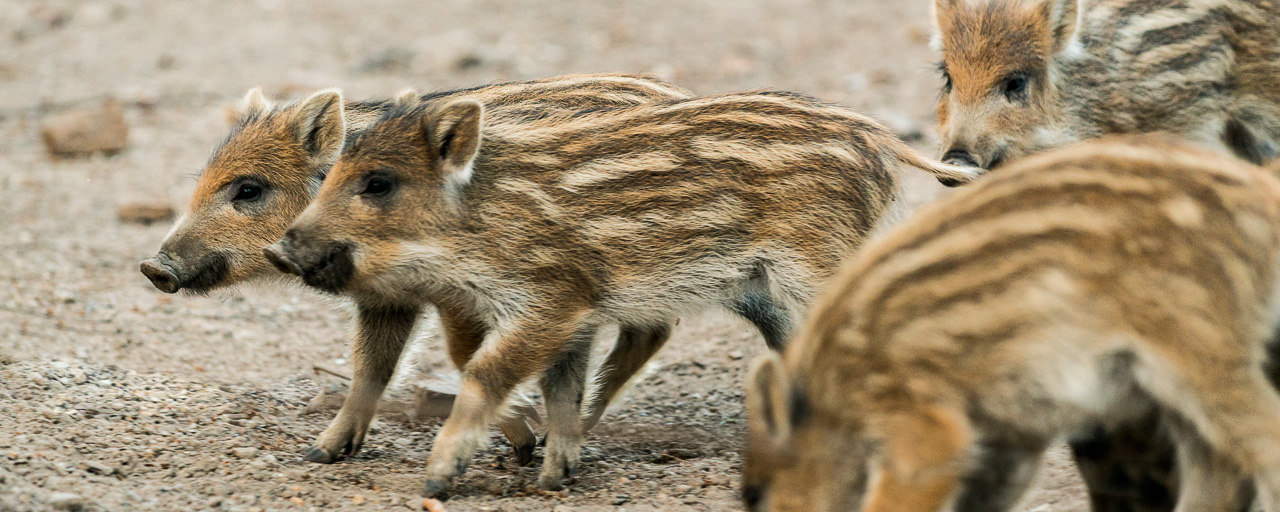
68,501
98,468
683,453
433,505
88,130
145,213
245,453
389,60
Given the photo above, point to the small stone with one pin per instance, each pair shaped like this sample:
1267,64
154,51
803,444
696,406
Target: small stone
403,441
85,131
620,499
68,501
98,468
683,488
735,355
683,453
145,213
245,453
104,383
433,505
357,500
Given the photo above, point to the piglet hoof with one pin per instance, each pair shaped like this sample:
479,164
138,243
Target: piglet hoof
321,455
523,453
550,482
436,489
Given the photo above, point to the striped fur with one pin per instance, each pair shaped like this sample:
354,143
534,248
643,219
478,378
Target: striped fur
1083,286
1026,75
544,229
1206,71
284,150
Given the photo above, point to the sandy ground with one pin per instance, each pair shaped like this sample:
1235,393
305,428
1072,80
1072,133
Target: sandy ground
114,396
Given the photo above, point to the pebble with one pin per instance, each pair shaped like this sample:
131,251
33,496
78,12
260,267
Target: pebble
145,213
85,131
96,467
683,488
68,501
245,453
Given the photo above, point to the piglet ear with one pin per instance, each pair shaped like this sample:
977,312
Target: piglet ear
1064,21
453,136
407,98
320,126
255,101
943,10
769,401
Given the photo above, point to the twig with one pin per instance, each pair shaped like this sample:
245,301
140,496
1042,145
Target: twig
319,369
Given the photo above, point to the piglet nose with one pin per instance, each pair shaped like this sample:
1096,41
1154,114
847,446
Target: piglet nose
161,276
956,156
278,255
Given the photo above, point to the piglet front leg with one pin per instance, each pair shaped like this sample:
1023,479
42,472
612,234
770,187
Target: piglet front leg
382,334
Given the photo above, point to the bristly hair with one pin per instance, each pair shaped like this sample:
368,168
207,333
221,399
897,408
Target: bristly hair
244,120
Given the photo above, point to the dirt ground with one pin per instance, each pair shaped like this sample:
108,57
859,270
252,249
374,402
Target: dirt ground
114,396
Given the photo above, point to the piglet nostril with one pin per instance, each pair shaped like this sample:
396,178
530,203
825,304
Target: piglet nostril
959,157
277,255
161,277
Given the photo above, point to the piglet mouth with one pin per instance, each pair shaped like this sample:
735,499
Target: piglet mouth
279,257
328,267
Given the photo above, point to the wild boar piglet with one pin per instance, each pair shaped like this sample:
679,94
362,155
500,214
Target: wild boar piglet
270,168
1087,285
1022,76
540,230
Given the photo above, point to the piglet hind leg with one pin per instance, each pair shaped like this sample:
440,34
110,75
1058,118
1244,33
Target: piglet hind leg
515,356
635,346
381,336
563,386
1232,418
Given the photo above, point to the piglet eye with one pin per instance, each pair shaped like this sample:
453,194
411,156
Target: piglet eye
377,187
247,192
946,79
1015,87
